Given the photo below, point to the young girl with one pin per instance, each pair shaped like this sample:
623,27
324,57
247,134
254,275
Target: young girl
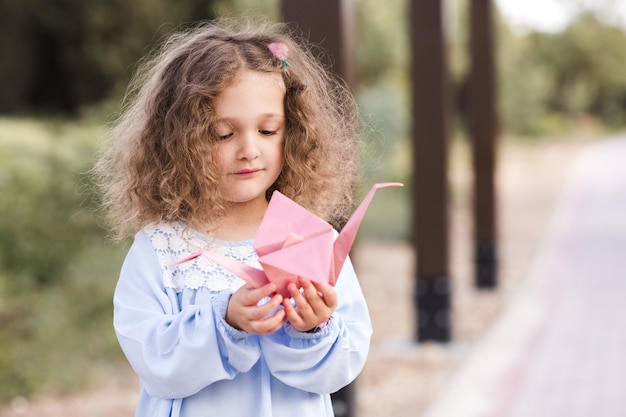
214,123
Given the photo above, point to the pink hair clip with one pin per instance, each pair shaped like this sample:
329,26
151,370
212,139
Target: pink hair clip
279,50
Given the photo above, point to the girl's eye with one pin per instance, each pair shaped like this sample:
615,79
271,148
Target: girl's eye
224,137
267,132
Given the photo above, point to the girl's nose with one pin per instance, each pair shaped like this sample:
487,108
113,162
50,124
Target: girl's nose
248,148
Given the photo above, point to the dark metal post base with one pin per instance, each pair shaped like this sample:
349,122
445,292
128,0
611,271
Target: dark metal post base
432,299
486,265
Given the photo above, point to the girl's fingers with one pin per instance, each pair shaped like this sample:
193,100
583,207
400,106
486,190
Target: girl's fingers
313,304
320,297
245,313
298,298
266,309
254,295
270,324
293,316
327,293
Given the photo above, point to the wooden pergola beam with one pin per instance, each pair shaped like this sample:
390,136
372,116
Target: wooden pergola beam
483,130
329,24
431,115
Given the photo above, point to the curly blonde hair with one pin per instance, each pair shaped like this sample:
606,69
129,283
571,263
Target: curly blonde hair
157,164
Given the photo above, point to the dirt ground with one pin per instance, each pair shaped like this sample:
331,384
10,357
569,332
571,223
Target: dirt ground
401,378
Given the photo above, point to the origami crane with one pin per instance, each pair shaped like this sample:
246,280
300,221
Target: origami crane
292,242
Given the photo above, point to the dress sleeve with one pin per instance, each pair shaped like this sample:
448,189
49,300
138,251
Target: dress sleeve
330,359
175,352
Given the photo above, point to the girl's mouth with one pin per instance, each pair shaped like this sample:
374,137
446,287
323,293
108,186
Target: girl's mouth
247,172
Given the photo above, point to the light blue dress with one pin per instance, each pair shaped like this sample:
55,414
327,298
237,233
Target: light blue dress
191,363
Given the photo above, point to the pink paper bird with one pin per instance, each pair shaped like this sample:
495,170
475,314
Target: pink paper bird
292,242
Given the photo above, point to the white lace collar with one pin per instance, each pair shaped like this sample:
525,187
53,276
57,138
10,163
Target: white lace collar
172,242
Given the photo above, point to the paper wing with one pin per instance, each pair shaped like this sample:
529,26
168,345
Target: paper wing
248,273
346,238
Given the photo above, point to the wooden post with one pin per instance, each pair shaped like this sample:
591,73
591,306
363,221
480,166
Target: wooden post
482,125
431,115
329,23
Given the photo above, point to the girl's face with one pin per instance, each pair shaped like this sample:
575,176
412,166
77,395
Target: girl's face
251,126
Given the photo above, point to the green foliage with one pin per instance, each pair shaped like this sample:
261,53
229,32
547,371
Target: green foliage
524,87
587,60
43,215
54,337
56,272
385,116
60,55
546,77
386,157
549,83
382,49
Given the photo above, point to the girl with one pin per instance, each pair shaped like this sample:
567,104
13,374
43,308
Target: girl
214,123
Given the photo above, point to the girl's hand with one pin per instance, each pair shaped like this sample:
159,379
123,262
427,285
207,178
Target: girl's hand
314,305
244,313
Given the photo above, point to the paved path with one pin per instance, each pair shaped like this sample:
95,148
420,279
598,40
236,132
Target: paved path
559,349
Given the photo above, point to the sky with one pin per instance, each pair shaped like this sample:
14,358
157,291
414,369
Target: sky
554,15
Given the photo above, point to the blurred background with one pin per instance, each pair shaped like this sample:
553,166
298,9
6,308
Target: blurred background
64,67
